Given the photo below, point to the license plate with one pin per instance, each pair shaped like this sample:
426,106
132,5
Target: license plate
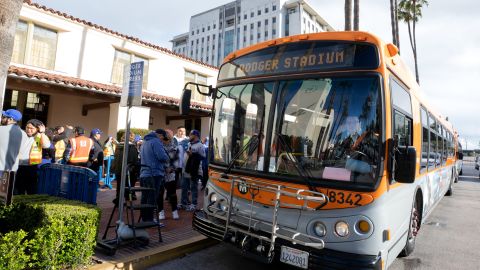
294,257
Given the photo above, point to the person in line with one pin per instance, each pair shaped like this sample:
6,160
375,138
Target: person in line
97,158
153,160
205,163
133,166
60,141
170,185
182,142
13,142
109,147
26,180
192,170
79,149
48,154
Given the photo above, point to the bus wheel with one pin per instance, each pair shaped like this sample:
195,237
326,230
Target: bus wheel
412,232
450,188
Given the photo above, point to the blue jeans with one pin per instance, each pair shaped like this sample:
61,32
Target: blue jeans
150,197
191,184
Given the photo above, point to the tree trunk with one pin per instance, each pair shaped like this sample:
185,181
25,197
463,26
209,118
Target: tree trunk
414,45
397,31
356,15
348,15
9,12
392,20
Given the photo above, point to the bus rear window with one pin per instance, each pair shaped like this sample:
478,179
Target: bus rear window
301,57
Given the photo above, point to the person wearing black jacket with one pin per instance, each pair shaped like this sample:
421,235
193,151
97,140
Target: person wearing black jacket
133,165
97,159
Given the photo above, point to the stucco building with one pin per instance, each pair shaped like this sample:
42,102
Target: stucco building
65,70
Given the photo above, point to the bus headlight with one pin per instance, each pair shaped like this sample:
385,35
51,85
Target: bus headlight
223,205
213,198
341,228
319,229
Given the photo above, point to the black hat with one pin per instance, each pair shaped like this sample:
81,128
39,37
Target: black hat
80,130
161,132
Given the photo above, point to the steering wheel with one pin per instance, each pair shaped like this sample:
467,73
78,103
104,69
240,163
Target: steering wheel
358,155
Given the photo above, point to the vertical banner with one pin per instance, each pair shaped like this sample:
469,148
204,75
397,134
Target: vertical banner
132,85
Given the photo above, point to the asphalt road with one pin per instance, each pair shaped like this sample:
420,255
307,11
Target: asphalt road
449,239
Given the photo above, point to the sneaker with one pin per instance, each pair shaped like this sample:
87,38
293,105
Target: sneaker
175,214
181,207
161,215
191,207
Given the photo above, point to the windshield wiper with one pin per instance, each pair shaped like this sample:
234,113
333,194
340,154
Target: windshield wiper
304,174
254,139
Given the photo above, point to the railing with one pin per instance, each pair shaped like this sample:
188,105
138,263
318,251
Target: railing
240,220
67,181
106,170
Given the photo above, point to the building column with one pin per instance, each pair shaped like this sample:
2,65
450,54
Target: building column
139,117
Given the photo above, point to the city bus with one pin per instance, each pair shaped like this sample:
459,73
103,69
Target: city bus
323,153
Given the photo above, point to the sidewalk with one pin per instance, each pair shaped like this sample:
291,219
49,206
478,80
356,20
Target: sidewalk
178,237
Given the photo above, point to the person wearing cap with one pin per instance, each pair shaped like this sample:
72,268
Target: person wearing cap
13,142
154,160
26,180
97,158
79,150
192,170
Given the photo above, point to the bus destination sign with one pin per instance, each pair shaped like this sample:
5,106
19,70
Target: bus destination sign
301,57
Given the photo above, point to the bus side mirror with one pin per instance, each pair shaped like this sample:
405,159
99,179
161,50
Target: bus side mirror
405,164
460,156
184,108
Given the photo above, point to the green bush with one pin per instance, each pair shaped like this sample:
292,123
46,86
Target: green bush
137,131
46,232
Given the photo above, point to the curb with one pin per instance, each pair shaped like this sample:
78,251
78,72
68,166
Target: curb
148,258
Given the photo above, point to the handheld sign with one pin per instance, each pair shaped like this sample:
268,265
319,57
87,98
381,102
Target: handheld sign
132,85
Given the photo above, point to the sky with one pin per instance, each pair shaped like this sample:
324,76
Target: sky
448,42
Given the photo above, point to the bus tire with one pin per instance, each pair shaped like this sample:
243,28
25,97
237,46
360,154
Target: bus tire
450,188
413,229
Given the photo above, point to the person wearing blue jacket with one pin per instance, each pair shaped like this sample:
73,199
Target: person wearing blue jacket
154,160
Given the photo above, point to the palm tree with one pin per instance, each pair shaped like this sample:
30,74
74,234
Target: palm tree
397,33
9,12
356,15
348,15
410,11
393,22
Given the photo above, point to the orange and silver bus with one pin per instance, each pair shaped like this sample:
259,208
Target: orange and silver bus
322,153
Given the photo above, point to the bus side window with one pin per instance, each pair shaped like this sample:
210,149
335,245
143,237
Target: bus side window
425,141
402,113
403,129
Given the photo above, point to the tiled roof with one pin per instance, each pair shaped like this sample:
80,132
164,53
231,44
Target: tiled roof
104,29
67,81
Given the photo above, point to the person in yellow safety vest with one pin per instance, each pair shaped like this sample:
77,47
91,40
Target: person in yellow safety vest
79,150
60,140
26,180
109,147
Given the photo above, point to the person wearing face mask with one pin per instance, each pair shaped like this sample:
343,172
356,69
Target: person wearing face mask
26,180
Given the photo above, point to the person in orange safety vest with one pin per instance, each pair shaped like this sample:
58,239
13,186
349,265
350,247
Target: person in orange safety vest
79,150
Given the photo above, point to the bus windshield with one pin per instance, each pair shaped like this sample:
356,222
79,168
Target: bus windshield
325,129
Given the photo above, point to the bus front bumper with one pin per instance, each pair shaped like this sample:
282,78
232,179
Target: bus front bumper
318,258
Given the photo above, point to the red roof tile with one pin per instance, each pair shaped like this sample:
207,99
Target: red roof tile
14,71
104,29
